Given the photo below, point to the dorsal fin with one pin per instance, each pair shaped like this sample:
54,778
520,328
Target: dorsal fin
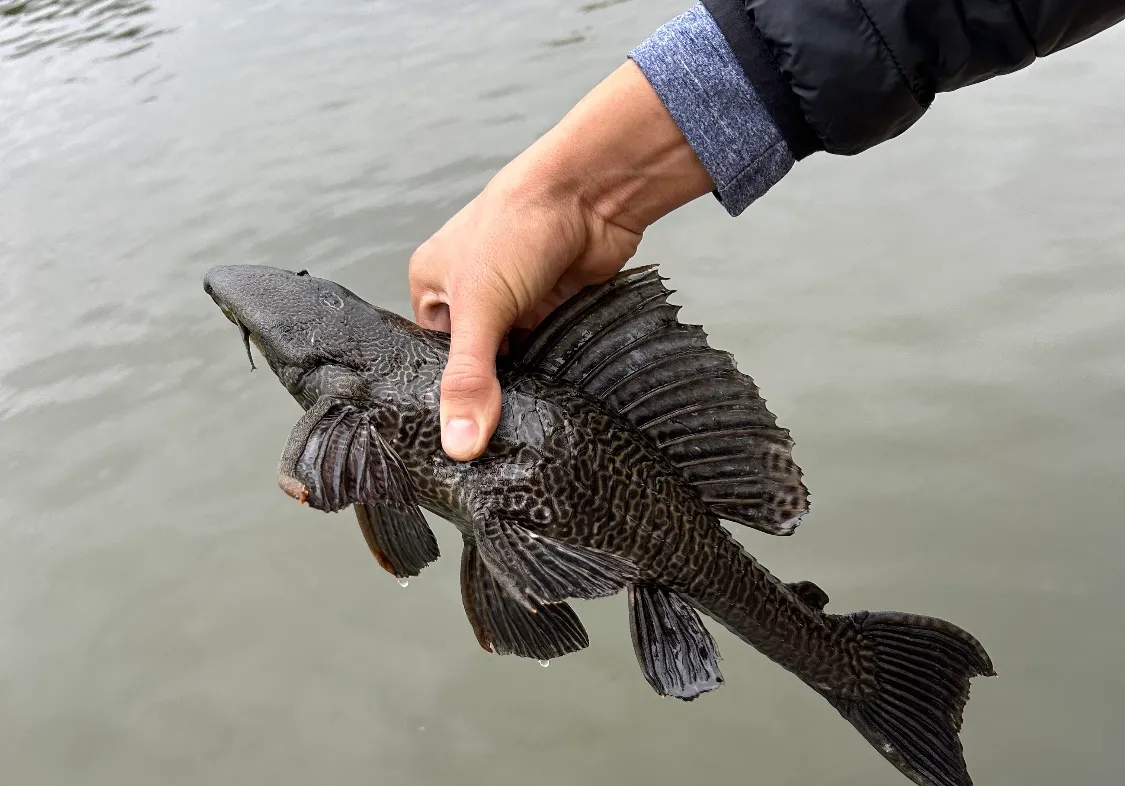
621,342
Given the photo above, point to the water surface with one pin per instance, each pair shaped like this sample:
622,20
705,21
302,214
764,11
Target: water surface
941,323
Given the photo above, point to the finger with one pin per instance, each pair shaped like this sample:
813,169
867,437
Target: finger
432,312
427,286
470,392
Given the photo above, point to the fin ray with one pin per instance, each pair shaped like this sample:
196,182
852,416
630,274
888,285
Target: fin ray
665,390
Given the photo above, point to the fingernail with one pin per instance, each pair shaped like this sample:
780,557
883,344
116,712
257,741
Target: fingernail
459,437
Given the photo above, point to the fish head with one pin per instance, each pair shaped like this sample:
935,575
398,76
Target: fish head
302,324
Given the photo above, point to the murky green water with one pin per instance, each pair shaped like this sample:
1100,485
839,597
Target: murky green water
941,322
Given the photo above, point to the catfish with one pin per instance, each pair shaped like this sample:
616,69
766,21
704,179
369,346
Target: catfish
624,438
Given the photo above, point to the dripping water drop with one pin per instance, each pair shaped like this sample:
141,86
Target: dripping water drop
544,663
404,582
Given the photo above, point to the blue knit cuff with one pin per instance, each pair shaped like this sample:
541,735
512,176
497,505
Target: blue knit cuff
692,68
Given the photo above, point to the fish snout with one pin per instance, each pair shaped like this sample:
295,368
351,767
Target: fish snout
221,284
216,282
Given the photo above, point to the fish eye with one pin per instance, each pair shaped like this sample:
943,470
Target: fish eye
302,272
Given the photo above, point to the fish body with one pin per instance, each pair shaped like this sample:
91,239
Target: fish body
623,439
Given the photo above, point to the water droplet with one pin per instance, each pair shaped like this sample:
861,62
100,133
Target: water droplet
544,663
404,582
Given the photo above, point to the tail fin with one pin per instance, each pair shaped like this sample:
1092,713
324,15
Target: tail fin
916,684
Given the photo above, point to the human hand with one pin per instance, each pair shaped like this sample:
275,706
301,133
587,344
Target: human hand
568,212
505,260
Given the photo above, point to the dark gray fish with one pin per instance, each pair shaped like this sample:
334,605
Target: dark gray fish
623,440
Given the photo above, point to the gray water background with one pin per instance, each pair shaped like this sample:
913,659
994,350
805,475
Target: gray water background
940,321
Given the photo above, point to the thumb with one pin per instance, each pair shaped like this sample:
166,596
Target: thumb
470,392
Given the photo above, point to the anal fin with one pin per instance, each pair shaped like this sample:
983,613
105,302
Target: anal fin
536,567
505,626
399,538
676,653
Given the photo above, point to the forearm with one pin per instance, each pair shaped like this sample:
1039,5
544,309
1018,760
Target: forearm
678,121
620,154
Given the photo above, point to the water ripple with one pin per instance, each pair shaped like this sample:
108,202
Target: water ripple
122,26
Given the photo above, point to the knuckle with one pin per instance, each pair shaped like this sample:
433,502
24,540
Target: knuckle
463,381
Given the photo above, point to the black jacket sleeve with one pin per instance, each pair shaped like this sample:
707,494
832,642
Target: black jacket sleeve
846,75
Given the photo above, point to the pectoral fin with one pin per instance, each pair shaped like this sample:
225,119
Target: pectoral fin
399,538
676,653
504,626
335,458
534,567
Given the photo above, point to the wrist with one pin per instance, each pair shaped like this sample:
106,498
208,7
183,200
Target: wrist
692,67
618,156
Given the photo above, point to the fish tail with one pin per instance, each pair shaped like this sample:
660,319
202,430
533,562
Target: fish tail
913,687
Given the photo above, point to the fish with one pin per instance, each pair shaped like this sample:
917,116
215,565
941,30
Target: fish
624,441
